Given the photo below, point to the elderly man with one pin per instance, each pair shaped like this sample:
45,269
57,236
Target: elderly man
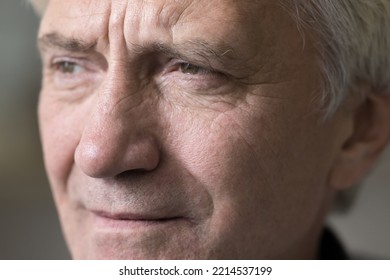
209,129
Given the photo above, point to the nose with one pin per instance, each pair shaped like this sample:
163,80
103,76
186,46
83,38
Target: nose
119,135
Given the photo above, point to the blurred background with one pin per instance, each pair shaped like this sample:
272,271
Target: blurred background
29,228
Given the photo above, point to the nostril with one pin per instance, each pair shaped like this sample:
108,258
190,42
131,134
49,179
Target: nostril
128,175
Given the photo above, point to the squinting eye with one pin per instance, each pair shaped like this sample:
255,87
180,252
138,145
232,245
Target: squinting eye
191,69
68,67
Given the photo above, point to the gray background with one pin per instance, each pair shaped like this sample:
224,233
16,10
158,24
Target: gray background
29,228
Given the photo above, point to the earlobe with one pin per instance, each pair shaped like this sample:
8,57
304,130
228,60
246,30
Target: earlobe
370,136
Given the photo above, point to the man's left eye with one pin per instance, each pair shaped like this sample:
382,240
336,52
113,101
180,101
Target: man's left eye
194,78
191,69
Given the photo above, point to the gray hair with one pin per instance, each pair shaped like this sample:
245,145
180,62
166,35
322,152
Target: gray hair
353,43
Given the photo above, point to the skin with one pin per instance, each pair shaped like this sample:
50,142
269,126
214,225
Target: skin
151,158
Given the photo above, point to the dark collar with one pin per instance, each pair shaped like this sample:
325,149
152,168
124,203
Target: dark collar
330,247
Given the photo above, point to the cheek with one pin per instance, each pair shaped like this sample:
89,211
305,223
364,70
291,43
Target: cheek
207,150
262,174
60,132
220,154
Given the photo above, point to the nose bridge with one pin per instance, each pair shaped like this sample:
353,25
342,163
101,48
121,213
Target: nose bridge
119,98
121,89
119,134
116,135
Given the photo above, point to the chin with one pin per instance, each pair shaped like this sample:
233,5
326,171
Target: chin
124,247
139,254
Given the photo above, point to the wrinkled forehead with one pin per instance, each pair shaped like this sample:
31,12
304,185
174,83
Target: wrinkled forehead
155,13
246,24
221,5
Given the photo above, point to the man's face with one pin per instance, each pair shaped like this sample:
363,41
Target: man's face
183,129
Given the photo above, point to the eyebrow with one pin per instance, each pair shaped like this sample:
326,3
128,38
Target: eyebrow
197,50
56,40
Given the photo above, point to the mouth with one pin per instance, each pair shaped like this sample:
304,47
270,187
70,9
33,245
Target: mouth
132,221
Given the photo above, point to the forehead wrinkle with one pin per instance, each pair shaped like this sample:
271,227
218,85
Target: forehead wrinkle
207,50
75,28
167,14
86,9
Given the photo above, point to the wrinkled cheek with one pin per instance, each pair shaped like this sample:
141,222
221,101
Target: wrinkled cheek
58,142
222,159
238,170
219,157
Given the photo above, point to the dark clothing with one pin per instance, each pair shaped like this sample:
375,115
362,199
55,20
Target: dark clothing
330,247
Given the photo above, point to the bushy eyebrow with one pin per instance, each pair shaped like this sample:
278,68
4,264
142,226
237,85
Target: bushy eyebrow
189,49
196,49
58,41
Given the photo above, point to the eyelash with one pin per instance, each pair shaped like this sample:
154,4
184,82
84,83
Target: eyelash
184,67
193,69
61,64
71,73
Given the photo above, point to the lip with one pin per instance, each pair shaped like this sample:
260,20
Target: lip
131,221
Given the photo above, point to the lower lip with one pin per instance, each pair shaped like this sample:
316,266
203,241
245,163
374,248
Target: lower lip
109,223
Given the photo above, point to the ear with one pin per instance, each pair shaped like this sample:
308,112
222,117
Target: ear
369,137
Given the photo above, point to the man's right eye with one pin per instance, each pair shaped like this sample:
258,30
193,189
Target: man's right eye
68,67
70,73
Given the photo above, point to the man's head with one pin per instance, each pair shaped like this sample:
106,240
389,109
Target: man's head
195,129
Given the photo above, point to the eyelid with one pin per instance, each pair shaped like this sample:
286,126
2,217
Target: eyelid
91,63
85,71
56,61
208,82
175,64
